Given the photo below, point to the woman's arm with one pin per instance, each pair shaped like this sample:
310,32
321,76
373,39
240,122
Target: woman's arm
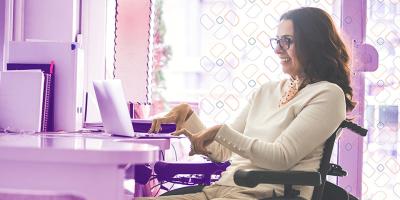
311,128
219,153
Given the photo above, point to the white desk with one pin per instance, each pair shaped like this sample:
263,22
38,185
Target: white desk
87,166
163,144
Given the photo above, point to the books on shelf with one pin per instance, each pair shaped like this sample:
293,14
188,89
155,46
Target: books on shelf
47,118
21,100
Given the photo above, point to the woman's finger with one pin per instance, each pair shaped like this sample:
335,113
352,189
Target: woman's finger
158,125
183,132
152,127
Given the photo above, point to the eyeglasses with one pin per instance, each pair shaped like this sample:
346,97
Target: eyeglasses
283,42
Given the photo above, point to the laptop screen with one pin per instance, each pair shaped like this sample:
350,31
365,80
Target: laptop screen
113,108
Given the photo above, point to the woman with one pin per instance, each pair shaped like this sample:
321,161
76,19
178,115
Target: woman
286,123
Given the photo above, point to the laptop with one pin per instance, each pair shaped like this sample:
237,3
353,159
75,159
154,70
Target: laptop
114,111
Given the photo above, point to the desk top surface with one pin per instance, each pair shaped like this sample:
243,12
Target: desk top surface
162,143
74,148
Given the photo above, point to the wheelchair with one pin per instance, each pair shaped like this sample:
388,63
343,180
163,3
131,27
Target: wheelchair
323,189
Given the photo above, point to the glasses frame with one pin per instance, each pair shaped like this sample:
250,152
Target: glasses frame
274,42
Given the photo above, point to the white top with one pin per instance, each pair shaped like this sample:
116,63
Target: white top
291,137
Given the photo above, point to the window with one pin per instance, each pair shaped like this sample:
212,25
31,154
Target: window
221,51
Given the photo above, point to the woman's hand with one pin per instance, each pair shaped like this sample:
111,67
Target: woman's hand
200,140
178,115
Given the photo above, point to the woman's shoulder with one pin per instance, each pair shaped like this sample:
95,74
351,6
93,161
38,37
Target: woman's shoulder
272,85
325,88
266,89
325,85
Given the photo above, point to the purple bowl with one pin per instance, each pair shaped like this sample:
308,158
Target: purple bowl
143,126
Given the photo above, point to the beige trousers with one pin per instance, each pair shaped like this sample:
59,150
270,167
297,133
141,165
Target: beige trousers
218,192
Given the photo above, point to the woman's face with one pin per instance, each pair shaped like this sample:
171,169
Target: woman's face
286,49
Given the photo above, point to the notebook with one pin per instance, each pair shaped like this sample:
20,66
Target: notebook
21,100
48,94
114,111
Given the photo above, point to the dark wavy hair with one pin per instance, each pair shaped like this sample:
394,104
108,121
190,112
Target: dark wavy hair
320,50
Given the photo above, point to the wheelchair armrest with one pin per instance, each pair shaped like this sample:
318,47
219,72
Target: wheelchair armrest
336,170
170,169
251,178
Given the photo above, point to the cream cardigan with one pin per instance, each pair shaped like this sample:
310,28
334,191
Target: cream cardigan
291,137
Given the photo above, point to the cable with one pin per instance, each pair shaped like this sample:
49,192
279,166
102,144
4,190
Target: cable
173,184
156,185
162,155
159,184
176,155
157,191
